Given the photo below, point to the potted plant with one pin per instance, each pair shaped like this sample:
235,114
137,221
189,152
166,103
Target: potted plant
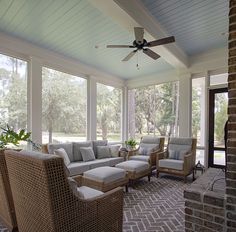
11,139
131,144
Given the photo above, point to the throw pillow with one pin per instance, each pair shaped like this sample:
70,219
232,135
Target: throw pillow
98,143
172,154
114,150
182,154
103,152
62,153
76,149
87,153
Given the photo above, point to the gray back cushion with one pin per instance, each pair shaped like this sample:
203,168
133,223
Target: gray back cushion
76,149
180,144
66,146
98,143
147,148
150,140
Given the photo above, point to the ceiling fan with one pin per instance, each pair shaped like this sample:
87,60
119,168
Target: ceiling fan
141,44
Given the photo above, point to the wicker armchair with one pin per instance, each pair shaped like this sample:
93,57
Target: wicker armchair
180,166
7,210
44,200
147,142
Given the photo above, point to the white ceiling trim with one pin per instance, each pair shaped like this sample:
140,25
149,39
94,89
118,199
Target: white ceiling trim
17,47
171,53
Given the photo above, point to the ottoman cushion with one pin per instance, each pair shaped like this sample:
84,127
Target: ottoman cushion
133,166
105,174
144,158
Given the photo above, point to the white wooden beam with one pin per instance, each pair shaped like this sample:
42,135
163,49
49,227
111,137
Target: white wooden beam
132,13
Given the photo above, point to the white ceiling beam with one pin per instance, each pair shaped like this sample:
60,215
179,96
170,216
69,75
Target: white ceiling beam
171,53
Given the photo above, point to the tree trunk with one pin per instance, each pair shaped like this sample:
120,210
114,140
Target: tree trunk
50,132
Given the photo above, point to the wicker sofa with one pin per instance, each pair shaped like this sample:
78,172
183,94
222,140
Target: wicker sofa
45,201
77,165
7,210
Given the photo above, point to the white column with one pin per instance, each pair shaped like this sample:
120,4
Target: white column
92,109
185,105
35,99
124,114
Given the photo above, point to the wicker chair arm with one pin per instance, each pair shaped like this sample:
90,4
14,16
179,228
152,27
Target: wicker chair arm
78,179
132,152
161,155
188,163
153,157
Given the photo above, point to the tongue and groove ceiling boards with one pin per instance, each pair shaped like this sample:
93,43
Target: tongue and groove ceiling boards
81,29
198,25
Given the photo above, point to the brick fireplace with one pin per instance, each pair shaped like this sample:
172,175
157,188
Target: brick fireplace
214,209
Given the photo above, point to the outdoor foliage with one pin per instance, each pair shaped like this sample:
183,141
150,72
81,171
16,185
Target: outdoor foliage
154,110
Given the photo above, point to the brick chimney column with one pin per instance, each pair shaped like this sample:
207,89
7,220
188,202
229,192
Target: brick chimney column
231,152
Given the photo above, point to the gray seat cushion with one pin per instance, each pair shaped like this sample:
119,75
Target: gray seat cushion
87,192
77,168
105,174
171,164
76,149
98,163
144,158
66,146
114,161
133,166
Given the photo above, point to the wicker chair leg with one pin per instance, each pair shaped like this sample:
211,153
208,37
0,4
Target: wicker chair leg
126,188
185,179
149,177
157,175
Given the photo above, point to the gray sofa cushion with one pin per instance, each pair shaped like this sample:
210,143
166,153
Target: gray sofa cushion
77,168
172,164
98,143
66,146
103,152
98,163
76,149
151,140
114,161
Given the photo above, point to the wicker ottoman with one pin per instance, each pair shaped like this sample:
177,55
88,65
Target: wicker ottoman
135,169
105,178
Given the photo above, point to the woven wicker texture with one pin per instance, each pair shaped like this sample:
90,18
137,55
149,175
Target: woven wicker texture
189,162
44,201
153,155
7,211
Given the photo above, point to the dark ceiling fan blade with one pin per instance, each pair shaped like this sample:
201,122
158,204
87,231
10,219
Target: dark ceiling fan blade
151,53
120,46
139,33
166,40
129,55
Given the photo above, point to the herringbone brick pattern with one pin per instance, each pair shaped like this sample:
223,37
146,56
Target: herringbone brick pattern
153,206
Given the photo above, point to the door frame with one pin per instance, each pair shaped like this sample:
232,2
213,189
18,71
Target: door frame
211,120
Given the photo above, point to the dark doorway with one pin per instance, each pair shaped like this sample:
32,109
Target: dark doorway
218,104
